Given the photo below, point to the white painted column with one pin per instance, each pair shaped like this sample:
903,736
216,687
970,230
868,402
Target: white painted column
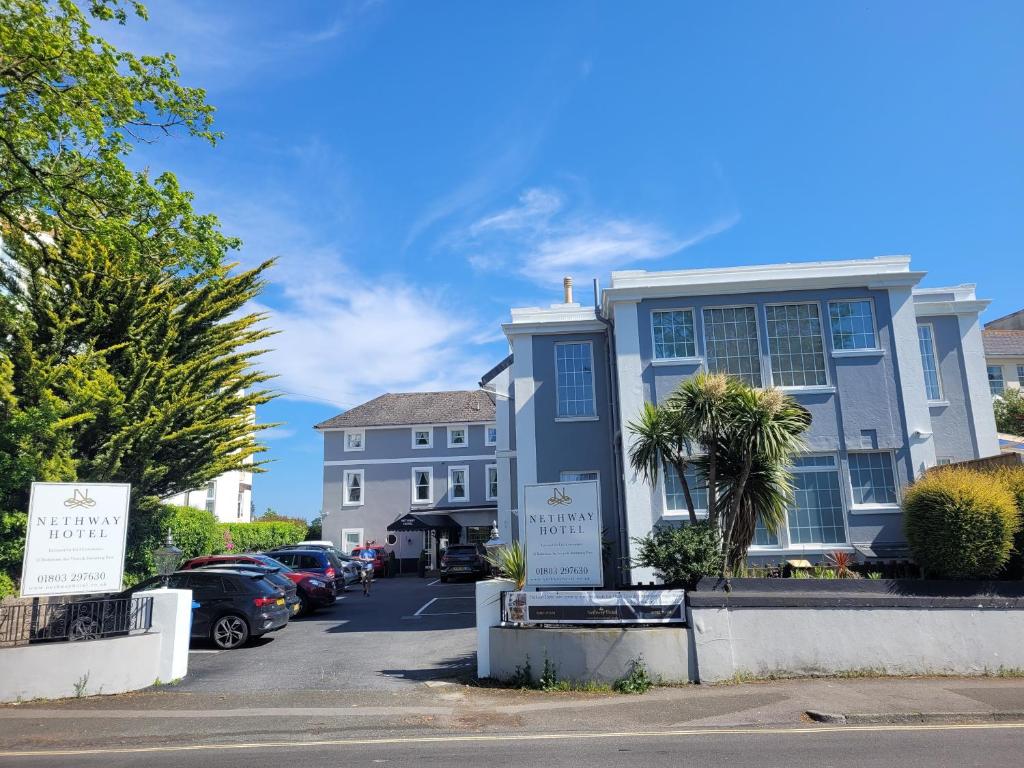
488,614
976,370
639,512
172,618
908,361
526,418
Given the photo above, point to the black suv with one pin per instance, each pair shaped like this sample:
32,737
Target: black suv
233,605
464,560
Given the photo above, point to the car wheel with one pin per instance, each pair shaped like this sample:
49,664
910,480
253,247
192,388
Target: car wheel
229,632
306,606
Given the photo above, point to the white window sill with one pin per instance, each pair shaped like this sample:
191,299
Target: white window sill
814,390
354,450
457,445
352,504
458,501
575,418
421,447
490,498
938,403
420,503
682,514
804,549
875,509
857,352
677,361
490,445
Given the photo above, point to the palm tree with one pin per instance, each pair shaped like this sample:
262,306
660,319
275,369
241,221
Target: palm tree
764,430
660,441
702,406
767,497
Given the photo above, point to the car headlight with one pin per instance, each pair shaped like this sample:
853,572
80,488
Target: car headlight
317,583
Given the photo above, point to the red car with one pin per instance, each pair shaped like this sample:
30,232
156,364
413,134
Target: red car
380,559
314,592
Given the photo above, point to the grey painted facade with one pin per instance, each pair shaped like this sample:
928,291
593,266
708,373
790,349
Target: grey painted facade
872,399
385,465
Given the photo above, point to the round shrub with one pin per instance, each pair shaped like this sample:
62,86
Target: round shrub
195,531
960,524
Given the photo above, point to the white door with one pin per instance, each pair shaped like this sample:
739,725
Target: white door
351,538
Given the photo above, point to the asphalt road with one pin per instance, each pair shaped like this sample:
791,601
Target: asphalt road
408,631
881,746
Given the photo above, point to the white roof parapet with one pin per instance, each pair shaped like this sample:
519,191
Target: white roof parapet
954,300
879,272
558,318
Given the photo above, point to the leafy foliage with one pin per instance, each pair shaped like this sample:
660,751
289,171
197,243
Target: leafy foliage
259,536
960,524
315,529
195,531
680,556
7,586
637,679
746,438
510,562
1009,408
125,349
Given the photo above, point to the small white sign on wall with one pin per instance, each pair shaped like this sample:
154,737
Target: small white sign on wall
563,534
75,541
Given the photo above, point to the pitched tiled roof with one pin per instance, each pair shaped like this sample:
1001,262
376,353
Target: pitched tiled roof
1000,343
417,408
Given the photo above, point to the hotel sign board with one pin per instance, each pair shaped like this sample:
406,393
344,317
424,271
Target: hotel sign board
75,541
563,534
642,606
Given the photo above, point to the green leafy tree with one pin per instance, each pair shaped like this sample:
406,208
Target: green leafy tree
1009,408
126,353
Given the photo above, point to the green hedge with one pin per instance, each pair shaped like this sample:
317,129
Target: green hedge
960,524
681,555
255,537
195,531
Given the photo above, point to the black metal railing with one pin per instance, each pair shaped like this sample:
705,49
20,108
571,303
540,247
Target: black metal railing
30,622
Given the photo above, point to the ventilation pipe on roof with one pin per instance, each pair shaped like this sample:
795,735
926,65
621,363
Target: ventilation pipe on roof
567,289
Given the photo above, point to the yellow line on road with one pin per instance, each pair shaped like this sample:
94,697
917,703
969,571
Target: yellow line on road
796,731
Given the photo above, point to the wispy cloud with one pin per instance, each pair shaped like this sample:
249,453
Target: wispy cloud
346,336
542,239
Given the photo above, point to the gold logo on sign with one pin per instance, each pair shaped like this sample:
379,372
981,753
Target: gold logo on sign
559,498
79,499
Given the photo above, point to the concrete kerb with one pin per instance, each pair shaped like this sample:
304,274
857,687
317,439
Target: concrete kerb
906,718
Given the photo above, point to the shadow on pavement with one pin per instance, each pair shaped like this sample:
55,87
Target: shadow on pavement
455,669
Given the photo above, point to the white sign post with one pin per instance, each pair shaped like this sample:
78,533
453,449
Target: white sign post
563,534
75,540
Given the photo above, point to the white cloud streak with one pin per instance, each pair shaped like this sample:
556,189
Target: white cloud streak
540,240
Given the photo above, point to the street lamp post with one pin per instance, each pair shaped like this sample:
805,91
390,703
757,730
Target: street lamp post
167,558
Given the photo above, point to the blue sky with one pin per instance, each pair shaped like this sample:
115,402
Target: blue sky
418,168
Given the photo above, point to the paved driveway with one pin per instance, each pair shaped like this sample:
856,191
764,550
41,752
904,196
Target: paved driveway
408,631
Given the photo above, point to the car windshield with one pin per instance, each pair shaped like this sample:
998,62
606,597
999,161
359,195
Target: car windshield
368,554
272,563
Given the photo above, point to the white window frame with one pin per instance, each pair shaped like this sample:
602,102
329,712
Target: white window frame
451,498
846,493
430,437
593,383
430,486
765,365
488,469
674,514
870,509
827,386
1020,374
344,543
1002,379
564,472
876,350
344,487
465,432
362,440
487,428
695,358
938,368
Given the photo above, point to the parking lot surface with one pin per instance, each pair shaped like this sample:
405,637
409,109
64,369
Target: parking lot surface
407,632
